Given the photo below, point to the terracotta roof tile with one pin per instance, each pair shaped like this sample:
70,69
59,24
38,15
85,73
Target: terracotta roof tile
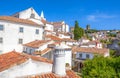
55,38
43,51
90,50
66,34
43,21
48,31
68,39
36,43
18,20
10,59
13,58
58,23
69,74
39,58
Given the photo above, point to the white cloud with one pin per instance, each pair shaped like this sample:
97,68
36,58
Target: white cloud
98,17
91,18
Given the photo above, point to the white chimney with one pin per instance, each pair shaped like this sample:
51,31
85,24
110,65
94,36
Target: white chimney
59,61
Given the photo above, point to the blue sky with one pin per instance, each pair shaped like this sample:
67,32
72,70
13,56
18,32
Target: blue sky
100,14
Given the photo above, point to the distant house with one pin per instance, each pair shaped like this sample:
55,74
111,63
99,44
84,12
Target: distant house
60,27
63,35
84,40
82,53
118,35
69,41
92,44
38,47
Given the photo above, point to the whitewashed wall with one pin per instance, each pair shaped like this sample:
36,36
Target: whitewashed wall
49,27
27,13
68,57
67,28
11,35
28,68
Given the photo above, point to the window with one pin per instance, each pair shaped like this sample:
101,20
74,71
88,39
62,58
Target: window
87,56
30,51
0,51
21,29
32,15
1,40
37,31
1,28
80,55
20,41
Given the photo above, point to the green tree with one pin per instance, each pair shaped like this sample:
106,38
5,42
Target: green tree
78,31
101,67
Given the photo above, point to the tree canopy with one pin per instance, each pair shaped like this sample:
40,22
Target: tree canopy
78,31
101,67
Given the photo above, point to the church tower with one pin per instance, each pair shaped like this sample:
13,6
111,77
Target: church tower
42,14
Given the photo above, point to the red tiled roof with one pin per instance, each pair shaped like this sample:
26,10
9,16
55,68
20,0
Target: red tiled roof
69,74
48,31
43,21
13,58
66,34
55,38
36,43
10,59
18,20
43,51
41,59
57,23
68,39
90,50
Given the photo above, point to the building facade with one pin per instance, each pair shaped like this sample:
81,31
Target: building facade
15,31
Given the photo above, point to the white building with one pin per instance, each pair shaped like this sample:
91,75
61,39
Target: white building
88,53
15,31
63,35
92,44
60,27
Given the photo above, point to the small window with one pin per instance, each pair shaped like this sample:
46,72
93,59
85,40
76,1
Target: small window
20,41
21,29
87,56
37,31
1,40
0,51
1,28
80,55
32,15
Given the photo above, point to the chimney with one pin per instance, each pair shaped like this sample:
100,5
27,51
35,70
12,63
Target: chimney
59,61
